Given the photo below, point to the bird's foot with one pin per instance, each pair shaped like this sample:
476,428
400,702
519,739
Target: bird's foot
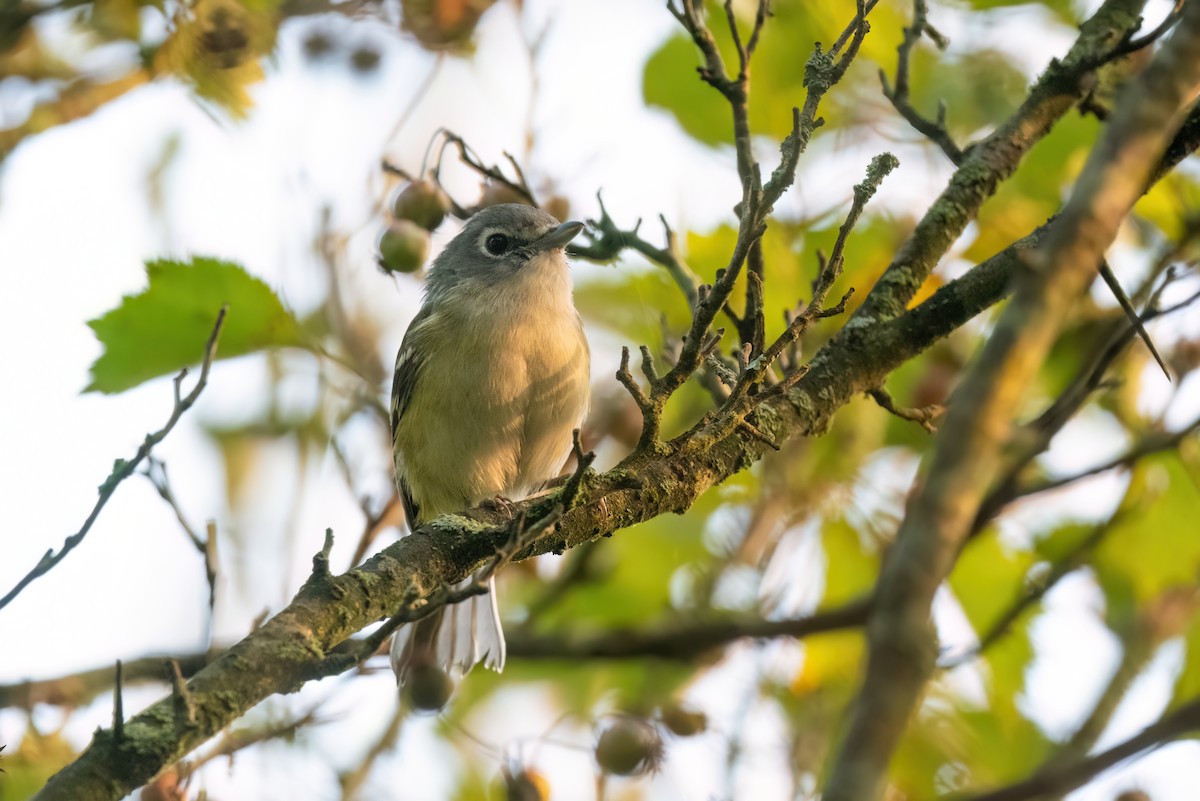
500,505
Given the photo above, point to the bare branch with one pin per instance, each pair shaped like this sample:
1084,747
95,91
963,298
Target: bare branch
608,241
1155,442
964,463
935,131
995,158
683,640
1132,314
123,469
1061,780
1141,42
923,416
1037,585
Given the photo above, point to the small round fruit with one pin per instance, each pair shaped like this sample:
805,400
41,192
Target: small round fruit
365,59
317,45
429,688
683,721
423,202
629,747
557,207
403,248
496,193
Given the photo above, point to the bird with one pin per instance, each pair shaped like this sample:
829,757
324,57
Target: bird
492,379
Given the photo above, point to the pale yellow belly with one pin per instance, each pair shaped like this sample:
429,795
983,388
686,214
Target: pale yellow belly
492,417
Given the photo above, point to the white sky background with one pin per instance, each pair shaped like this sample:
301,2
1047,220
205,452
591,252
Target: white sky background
75,226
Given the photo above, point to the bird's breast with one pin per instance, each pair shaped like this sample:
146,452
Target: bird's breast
492,414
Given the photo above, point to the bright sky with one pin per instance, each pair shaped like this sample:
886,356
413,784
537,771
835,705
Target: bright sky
75,226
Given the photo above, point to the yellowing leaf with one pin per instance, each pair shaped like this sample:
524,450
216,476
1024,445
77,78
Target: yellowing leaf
850,566
829,660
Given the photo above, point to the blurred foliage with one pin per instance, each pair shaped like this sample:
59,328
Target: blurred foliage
1146,553
820,513
28,765
216,47
443,24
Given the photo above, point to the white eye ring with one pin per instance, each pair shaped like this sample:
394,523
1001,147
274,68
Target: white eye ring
495,243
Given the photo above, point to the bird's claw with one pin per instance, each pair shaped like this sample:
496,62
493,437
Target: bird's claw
501,505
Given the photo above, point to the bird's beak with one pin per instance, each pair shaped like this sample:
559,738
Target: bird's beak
558,237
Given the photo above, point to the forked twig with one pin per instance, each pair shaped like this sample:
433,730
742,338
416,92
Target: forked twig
123,469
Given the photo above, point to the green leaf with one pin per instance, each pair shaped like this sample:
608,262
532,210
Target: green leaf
1154,547
988,580
972,104
670,82
164,328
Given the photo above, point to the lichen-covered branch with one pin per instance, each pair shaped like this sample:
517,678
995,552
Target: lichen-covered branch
992,160
969,454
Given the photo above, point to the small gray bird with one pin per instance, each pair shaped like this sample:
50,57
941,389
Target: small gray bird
491,379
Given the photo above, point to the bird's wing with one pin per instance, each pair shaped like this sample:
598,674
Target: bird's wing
404,379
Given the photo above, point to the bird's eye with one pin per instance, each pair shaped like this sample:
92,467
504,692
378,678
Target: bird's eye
496,244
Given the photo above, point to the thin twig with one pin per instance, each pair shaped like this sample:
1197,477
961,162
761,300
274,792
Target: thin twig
493,173
1040,432
1140,42
374,524
1060,780
239,739
123,469
417,96
934,130
1037,585
352,781
1132,314
608,240
118,728
924,416
830,271
683,640
156,472
185,705
1148,445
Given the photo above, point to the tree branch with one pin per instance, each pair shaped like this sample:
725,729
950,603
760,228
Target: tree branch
123,469
1061,780
683,641
328,611
967,457
935,131
996,157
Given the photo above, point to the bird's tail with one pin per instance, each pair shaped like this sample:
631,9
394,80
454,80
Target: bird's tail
454,638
